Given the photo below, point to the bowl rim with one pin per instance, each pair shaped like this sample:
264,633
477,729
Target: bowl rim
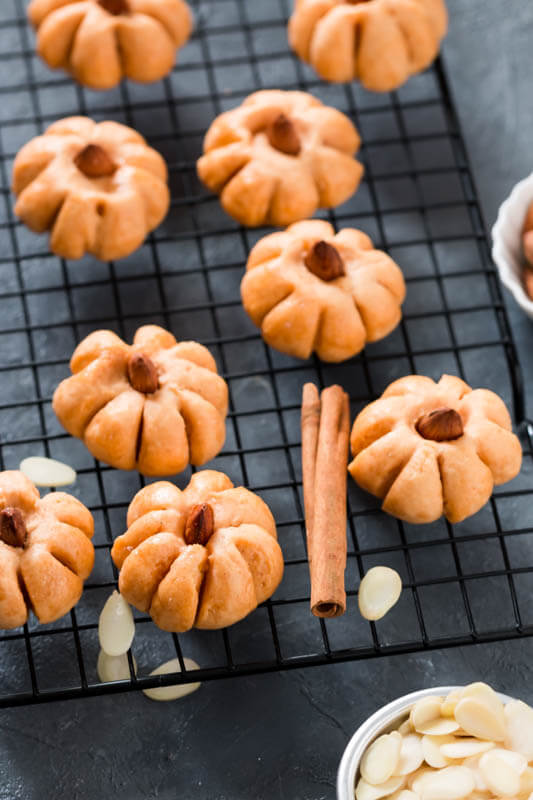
376,724
521,193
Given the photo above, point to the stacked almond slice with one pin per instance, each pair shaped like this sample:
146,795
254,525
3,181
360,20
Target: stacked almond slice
467,745
116,631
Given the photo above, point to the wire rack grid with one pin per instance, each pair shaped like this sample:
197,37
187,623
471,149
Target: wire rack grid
466,584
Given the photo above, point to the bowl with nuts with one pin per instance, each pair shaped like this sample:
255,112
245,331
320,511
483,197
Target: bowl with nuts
512,248
442,743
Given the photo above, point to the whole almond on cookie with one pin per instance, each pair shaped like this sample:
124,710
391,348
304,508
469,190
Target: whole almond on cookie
282,135
142,373
200,524
440,425
324,261
94,162
12,527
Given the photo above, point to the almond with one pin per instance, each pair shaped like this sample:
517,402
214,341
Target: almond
12,527
115,6
440,425
142,373
283,137
176,691
324,261
200,524
94,162
527,245
528,275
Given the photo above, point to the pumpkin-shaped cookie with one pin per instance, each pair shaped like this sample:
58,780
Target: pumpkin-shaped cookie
45,551
429,448
98,188
309,289
204,557
279,156
99,42
378,42
155,406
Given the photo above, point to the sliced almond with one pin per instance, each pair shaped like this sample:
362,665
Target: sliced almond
473,765
440,727
450,783
411,755
116,627
366,791
404,794
481,717
478,689
465,747
114,668
519,719
425,711
483,692
517,761
405,727
431,747
379,591
166,693
426,718
47,472
415,781
381,758
526,782
501,778
449,703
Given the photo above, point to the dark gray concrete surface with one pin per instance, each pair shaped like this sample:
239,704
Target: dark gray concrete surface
281,736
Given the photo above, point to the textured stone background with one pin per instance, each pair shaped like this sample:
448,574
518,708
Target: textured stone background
281,736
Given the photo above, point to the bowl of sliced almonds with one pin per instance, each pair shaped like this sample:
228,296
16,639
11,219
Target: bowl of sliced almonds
511,251
444,743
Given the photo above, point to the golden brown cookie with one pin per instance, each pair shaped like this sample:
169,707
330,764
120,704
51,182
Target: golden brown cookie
279,156
378,42
309,289
97,187
155,406
99,42
204,557
429,448
45,551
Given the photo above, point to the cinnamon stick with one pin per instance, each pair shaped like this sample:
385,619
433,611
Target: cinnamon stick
325,432
310,426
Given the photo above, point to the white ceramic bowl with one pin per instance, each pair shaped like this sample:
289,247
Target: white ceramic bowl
506,241
385,719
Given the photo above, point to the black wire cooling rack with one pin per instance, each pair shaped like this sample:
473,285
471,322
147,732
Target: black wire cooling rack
469,583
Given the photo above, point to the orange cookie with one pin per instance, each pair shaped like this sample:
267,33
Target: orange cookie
45,551
429,448
309,289
99,42
204,557
155,406
97,187
279,156
378,42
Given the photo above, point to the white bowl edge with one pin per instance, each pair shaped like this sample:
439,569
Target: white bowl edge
506,241
376,724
